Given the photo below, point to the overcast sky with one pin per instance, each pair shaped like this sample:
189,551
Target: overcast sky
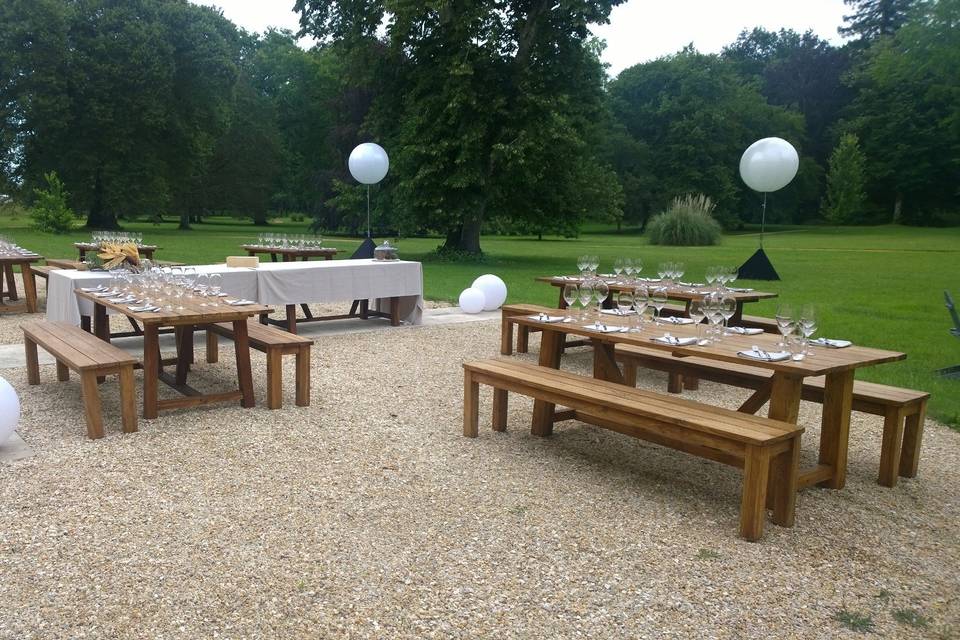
639,30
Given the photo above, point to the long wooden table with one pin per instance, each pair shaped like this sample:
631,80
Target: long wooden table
683,293
184,323
23,260
783,391
290,254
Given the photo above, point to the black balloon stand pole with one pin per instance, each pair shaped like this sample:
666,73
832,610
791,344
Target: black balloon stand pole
758,266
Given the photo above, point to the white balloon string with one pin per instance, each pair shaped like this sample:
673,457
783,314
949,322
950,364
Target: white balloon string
763,219
368,212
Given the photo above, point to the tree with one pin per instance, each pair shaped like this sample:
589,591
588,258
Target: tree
845,200
50,211
907,115
872,19
690,117
485,107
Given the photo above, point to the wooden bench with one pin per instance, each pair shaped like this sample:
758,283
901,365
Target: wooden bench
767,450
89,356
903,410
276,343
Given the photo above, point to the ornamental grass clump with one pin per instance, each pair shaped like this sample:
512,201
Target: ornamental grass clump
689,222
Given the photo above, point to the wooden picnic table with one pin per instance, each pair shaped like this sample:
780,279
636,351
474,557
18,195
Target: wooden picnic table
184,323
290,254
9,260
685,293
145,250
783,391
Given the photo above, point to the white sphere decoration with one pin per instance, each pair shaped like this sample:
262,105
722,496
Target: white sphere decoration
368,163
769,164
9,410
471,300
494,290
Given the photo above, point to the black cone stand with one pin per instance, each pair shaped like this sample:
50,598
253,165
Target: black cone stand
758,266
365,250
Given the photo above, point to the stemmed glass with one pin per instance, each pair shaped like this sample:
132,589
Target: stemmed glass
216,283
659,298
570,294
583,262
637,266
201,286
786,323
732,274
585,295
600,292
628,269
662,270
641,299
697,314
808,324
625,302
678,270
618,268
728,307
594,264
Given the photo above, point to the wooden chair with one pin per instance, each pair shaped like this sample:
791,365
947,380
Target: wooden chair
954,371
767,450
89,356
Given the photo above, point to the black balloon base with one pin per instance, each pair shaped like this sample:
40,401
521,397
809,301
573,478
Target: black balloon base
758,267
365,250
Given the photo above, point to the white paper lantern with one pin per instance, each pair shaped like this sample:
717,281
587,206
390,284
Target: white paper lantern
472,300
9,410
368,163
769,164
494,291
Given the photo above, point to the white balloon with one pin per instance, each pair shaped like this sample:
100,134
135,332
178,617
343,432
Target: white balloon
494,291
472,300
368,163
769,164
9,410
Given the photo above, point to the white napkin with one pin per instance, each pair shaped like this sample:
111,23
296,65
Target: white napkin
617,312
542,317
740,289
606,328
143,309
240,303
745,331
92,289
767,356
693,284
679,342
676,320
831,344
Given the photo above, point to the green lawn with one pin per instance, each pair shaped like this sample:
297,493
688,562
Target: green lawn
879,286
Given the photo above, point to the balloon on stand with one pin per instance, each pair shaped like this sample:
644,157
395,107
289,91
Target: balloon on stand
368,163
494,291
9,410
472,300
769,164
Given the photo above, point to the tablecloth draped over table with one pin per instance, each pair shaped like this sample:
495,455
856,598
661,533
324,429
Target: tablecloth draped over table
277,283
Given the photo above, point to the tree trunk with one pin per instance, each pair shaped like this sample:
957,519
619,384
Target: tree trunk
98,218
470,235
260,219
898,208
452,240
184,222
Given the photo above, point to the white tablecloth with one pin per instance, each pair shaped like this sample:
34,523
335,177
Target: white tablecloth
274,283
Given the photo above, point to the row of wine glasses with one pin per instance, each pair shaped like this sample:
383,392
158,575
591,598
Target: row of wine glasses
10,248
116,237
721,276
587,265
670,272
796,325
289,241
167,288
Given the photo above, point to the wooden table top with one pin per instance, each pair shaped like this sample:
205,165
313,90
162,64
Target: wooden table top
192,313
675,292
291,251
824,360
19,258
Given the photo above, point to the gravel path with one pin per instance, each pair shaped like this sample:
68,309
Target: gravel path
369,515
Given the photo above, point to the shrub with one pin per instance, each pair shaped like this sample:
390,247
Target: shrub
50,212
689,222
845,202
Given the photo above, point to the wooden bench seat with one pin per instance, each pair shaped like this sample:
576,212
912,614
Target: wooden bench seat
90,357
903,410
276,343
42,271
767,450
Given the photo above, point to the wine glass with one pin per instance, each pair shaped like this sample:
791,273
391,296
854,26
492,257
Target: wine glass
697,313
732,274
570,294
808,323
641,300
618,267
600,292
659,298
728,307
662,270
628,269
201,286
215,284
594,264
637,266
583,262
585,295
711,276
786,323
678,270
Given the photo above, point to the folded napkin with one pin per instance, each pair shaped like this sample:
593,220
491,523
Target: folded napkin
92,289
831,344
676,320
143,309
756,353
240,303
745,331
543,317
679,342
606,328
617,312
123,300
740,289
106,294
693,284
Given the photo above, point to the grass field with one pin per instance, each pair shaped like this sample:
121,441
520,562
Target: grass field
878,286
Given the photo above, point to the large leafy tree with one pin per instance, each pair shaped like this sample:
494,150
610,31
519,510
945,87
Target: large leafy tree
907,115
872,19
687,119
485,106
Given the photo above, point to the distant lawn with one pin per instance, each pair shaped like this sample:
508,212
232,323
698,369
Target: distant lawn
878,286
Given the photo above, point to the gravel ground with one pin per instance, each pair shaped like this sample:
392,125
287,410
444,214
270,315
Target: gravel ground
369,515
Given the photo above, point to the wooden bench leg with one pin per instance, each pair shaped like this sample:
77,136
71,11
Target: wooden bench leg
753,511
471,405
91,405
523,339
499,409
128,399
303,376
784,473
690,383
674,383
29,287
274,378
630,373
63,372
213,347
912,438
506,336
33,362
890,447
11,282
